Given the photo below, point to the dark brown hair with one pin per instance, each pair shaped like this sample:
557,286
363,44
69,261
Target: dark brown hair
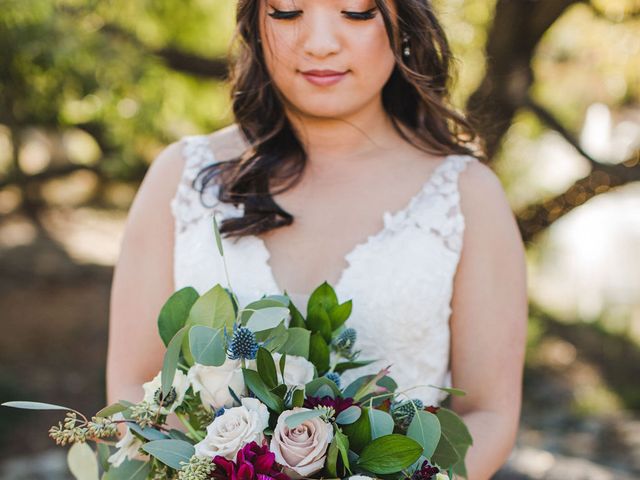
416,96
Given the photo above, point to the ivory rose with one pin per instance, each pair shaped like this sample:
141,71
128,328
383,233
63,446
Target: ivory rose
301,450
212,383
298,371
231,431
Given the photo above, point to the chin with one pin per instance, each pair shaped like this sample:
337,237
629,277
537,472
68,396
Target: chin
326,109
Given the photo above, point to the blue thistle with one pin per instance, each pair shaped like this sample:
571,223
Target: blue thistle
334,377
403,412
345,341
243,344
219,412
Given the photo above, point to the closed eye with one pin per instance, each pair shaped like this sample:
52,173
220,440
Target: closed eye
368,15
284,15
289,15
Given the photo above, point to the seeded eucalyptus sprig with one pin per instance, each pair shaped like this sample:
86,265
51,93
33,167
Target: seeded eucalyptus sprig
198,468
74,430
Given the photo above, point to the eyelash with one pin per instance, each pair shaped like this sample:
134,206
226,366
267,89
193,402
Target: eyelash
284,15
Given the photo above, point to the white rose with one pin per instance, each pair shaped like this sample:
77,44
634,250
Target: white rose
301,450
213,383
228,433
298,371
127,447
442,476
180,385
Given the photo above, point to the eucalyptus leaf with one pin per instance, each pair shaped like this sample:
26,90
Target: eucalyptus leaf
216,232
82,461
389,454
26,405
148,433
349,415
104,452
207,345
297,343
359,432
283,299
128,470
454,442
381,423
170,363
170,452
425,429
174,313
295,419
453,391
111,410
314,386
267,318
213,309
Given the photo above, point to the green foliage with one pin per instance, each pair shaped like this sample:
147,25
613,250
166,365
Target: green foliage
175,311
170,452
389,454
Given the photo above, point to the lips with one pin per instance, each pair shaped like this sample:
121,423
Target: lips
323,77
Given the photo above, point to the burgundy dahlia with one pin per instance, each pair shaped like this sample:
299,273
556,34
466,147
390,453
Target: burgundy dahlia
338,404
426,472
253,462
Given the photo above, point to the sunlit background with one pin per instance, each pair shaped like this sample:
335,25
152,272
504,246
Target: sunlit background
91,91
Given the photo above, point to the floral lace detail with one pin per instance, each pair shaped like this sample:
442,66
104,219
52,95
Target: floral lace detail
187,206
400,279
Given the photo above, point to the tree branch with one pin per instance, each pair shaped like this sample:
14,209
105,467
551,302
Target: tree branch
552,122
602,178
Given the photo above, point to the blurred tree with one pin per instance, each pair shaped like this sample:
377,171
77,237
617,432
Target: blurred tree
135,75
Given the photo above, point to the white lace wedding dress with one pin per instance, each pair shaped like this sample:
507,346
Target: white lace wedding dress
400,279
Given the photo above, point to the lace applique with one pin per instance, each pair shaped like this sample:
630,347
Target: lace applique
187,206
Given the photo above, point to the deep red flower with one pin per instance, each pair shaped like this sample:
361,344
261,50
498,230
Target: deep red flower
253,462
425,472
338,404
432,409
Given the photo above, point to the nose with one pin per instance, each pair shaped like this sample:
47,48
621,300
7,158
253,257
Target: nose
319,37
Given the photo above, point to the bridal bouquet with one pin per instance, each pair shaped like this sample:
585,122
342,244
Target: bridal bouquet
259,392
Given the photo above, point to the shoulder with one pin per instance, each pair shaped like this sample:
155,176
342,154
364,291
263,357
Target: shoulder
228,142
481,190
489,218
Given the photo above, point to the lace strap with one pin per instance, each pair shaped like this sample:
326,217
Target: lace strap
437,207
186,206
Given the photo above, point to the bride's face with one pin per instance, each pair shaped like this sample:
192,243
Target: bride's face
346,36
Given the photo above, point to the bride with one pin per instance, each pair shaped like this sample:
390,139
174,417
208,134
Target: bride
345,164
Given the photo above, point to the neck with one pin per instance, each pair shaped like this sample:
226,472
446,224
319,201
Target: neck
330,141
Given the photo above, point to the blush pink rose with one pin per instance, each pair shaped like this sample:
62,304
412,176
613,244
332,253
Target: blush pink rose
301,450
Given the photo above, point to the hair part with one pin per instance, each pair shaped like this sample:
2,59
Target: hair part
415,97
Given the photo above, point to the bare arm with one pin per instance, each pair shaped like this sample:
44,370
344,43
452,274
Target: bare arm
143,281
489,322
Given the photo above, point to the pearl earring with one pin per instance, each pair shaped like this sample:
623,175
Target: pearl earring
406,51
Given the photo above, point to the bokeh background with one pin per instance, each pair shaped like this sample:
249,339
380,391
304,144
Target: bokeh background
90,92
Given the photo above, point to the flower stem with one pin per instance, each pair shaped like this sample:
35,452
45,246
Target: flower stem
194,433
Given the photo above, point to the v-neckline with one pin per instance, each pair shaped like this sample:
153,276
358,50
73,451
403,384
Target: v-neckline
273,282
